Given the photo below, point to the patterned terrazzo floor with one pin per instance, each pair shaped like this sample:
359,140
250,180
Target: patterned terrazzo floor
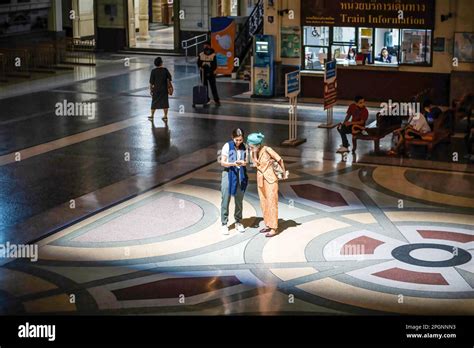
353,240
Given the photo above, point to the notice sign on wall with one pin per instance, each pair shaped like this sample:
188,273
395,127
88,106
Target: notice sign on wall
411,14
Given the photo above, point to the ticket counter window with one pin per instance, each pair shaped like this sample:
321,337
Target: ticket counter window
365,41
416,46
316,47
344,38
316,36
375,46
315,57
387,46
344,35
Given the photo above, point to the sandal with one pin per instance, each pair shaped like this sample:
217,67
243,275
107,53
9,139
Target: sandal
265,230
271,234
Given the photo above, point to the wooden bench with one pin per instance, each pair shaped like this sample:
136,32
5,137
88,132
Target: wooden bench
381,127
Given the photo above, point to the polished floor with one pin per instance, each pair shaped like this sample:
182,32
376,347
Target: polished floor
125,213
161,38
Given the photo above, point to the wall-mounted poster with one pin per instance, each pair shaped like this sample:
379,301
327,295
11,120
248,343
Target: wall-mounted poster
463,47
439,44
290,42
262,81
223,38
110,14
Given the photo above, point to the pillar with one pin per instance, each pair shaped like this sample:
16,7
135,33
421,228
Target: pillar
226,8
143,19
75,21
157,15
132,41
55,21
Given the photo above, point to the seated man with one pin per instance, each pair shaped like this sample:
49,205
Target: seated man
417,127
359,114
430,112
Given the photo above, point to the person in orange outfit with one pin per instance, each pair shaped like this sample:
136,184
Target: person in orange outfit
267,181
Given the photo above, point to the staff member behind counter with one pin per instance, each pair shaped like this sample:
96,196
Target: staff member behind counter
385,57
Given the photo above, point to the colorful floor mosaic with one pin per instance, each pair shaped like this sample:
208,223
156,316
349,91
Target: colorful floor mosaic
353,239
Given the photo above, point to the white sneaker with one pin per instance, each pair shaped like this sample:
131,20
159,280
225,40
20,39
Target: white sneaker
225,230
239,227
342,149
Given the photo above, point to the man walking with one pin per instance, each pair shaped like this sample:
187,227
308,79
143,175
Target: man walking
207,63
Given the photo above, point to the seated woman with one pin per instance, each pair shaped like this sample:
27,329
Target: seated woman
417,127
384,57
351,55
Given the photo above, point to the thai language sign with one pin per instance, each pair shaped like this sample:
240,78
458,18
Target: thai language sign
412,14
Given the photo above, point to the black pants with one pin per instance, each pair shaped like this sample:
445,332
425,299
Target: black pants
343,131
211,80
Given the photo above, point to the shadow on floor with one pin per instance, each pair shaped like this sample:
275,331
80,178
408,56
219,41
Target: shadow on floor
254,222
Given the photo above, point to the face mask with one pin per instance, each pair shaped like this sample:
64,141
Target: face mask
224,41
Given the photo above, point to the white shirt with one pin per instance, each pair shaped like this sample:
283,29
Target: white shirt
225,152
419,123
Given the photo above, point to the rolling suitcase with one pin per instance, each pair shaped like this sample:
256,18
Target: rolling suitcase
200,95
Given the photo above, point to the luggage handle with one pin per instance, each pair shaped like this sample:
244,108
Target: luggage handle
201,77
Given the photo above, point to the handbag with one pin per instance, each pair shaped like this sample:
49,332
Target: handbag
278,170
170,88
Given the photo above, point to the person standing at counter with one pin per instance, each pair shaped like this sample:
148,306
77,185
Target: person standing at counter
357,114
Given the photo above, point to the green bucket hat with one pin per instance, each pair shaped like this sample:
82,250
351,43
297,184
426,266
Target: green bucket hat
255,139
